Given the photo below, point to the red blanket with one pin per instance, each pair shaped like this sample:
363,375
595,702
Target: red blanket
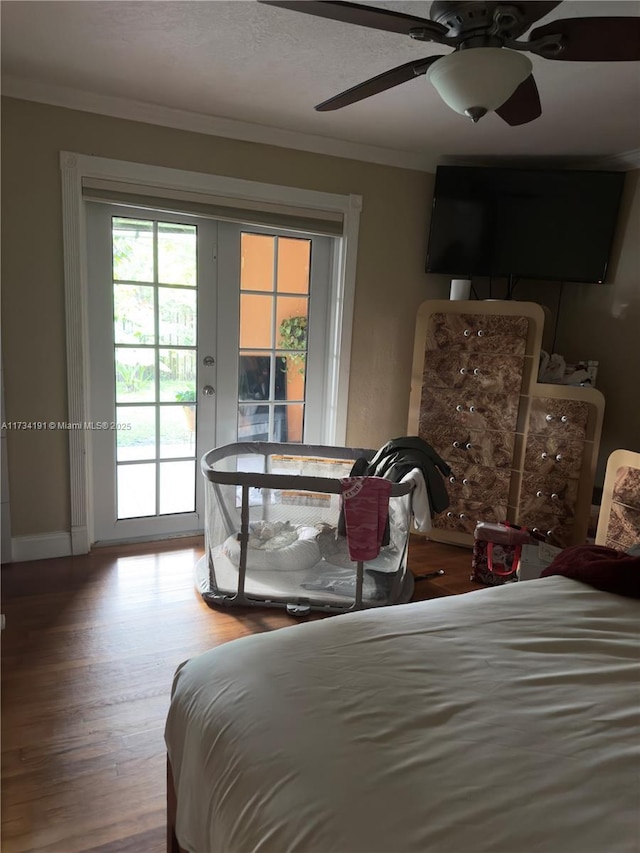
603,568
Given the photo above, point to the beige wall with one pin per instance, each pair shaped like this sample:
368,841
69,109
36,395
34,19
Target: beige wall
389,287
603,323
598,322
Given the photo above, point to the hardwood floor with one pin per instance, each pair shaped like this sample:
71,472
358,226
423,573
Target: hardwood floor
88,654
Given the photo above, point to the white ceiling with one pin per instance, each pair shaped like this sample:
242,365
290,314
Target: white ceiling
264,68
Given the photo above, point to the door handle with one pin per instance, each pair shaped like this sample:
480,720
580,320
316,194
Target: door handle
208,390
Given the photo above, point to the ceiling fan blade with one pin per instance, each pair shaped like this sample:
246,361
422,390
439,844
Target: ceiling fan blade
381,83
591,39
529,11
535,9
523,106
364,16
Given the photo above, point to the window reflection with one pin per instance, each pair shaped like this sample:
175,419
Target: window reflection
255,384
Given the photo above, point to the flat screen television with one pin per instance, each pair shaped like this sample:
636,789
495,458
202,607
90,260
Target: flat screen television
549,225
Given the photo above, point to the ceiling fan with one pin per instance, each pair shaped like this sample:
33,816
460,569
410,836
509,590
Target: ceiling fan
487,69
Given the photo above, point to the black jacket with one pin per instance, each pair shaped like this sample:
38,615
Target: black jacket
399,456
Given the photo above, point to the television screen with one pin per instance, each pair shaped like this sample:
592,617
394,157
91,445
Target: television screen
550,225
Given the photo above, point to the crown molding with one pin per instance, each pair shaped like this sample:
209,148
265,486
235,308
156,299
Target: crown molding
623,162
141,111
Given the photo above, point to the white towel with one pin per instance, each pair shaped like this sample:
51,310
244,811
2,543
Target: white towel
420,505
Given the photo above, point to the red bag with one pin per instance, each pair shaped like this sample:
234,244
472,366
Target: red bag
496,552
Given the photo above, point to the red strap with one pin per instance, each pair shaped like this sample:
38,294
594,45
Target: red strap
514,566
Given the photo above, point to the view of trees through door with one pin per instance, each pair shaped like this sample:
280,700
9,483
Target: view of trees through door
155,338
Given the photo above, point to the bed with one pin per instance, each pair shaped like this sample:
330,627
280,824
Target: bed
500,721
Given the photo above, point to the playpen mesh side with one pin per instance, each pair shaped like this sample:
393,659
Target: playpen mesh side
292,551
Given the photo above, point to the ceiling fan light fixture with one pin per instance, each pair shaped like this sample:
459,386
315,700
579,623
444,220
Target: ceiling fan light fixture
478,79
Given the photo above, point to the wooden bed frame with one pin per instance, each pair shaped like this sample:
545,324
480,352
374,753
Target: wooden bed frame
172,803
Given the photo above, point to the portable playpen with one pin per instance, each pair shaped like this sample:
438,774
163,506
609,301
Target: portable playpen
271,531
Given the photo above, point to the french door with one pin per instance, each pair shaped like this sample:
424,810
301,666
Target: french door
201,333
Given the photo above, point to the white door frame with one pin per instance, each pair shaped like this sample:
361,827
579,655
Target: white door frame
74,167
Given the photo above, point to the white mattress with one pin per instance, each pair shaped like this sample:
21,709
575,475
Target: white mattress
501,721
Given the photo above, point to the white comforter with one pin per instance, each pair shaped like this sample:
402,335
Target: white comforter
504,720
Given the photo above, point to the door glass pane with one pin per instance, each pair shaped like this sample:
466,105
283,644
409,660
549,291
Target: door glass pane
138,440
292,331
256,321
177,487
133,314
256,262
253,423
132,249
135,375
177,310
136,490
294,259
177,375
293,370
177,431
291,318
177,253
294,414
254,374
